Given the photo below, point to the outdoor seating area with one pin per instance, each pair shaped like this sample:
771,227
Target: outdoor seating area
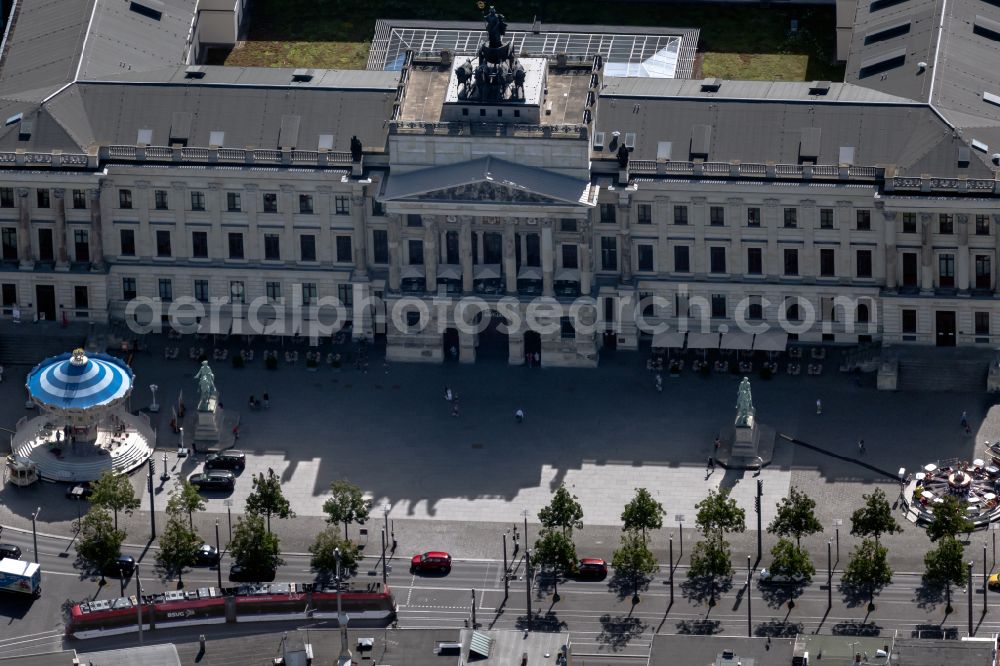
732,353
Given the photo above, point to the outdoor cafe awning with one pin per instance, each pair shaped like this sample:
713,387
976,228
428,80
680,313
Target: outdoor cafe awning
737,340
412,271
529,273
771,341
449,272
487,272
699,340
568,275
669,340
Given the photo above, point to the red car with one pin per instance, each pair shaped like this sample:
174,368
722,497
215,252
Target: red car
433,561
592,567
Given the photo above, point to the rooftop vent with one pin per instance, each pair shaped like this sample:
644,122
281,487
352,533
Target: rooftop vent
180,128
986,27
630,140
25,129
149,8
819,87
991,98
809,144
288,135
701,139
194,72
963,156
325,142
216,139
598,140
302,75
980,146
14,119
144,137
996,158
887,31
663,151
921,67
846,155
711,85
882,63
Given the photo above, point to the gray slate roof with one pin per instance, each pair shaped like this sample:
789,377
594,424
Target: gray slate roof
44,44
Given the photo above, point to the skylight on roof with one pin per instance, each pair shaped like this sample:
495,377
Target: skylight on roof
16,118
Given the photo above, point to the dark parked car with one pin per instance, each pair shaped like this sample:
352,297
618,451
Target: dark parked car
123,565
433,561
207,555
215,480
231,460
81,491
592,568
9,550
245,574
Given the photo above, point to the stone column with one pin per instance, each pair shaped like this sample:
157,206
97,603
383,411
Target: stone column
996,256
394,260
430,253
586,270
548,286
358,214
809,261
24,229
926,255
465,250
509,256
962,268
889,236
623,217
325,250
182,242
96,230
845,225
62,258
772,222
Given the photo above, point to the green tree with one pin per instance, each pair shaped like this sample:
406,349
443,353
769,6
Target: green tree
115,493
945,565
796,517
323,551
556,551
718,514
563,512
790,559
99,542
711,560
874,518
869,568
643,513
949,520
346,505
253,546
178,546
633,559
266,498
185,498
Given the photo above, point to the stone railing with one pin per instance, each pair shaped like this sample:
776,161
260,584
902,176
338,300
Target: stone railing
209,156
565,131
744,170
927,183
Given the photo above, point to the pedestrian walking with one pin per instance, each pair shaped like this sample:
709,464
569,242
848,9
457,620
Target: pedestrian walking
267,400
711,463
1,374
447,394
519,415
538,359
965,420
236,432
454,406
718,443
819,406
861,446
659,382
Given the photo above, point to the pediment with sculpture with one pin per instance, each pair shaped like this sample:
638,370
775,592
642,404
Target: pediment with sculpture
486,191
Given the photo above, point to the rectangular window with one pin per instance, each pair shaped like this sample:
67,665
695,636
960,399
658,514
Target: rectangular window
307,247
645,213
81,245
342,205
756,308
127,240
237,292
415,249
864,218
946,270
413,220
791,261
533,247
826,218
864,268
124,198
42,198
9,236
909,224
235,245
680,215
345,293
272,290
197,200
163,243
233,204
378,210
718,306
609,253
160,199
201,291
272,247
682,259
380,246
305,204
128,288
79,199
7,197
568,225
166,287
645,257
46,249
199,244
984,271
451,250
755,261
566,328
909,321
982,323
608,213
717,259
827,265
309,293
792,312
569,256
791,218
270,200
344,250
753,217
982,225
717,216
946,223
8,292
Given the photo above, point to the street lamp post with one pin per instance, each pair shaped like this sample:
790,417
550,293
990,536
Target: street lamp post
384,573
154,407
972,588
345,652
164,475
506,569
760,492
749,595
152,508
219,551
229,515
671,568
829,575
527,580
837,523
34,532
985,581
138,601
121,578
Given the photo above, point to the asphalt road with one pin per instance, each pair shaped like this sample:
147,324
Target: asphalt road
599,615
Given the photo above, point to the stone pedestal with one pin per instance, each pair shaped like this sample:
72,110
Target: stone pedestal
746,437
209,426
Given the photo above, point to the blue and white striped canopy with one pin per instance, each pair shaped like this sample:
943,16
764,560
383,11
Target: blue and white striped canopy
75,381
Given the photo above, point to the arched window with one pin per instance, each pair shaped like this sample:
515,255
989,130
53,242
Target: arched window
863,315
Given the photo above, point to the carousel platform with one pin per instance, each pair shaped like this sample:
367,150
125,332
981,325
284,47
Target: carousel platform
121,449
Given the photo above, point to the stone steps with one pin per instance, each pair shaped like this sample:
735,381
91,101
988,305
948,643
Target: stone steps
28,345
943,374
53,469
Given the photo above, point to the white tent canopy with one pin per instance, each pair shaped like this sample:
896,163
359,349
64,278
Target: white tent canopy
449,272
529,273
568,274
699,340
737,340
771,341
412,271
487,272
669,340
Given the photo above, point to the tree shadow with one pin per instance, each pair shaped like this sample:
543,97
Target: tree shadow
934,631
699,627
929,595
625,586
776,596
618,631
547,622
778,629
856,595
856,629
700,588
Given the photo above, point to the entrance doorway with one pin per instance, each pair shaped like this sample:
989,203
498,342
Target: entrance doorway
45,301
494,343
451,344
45,251
945,328
533,345
610,341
